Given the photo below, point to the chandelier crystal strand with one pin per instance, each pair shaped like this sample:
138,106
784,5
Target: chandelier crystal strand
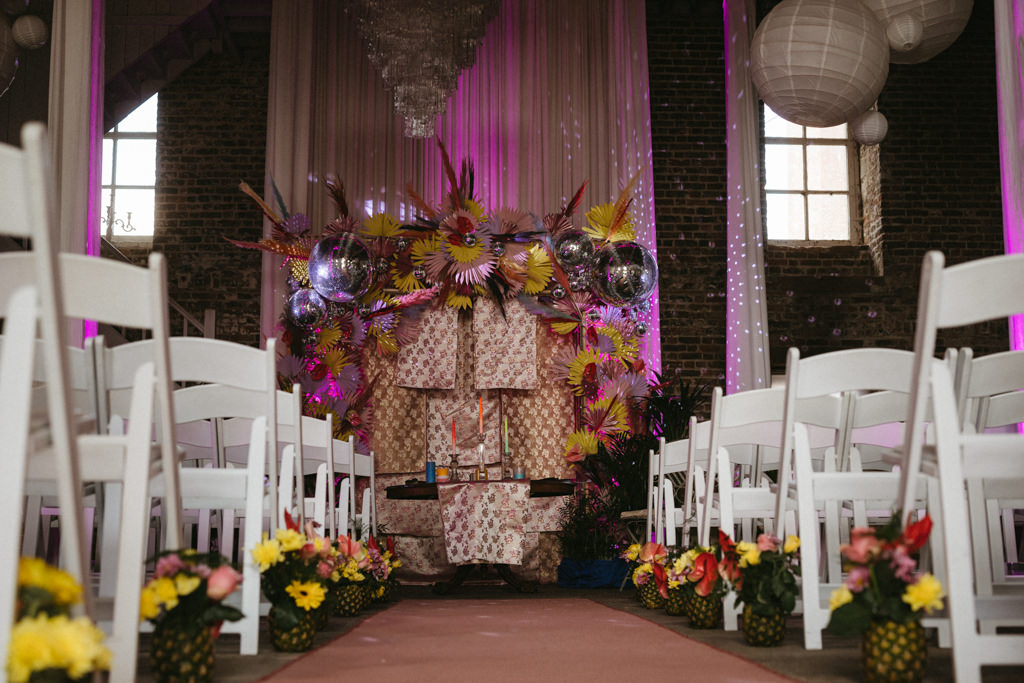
420,47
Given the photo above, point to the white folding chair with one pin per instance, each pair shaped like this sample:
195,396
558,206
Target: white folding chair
826,377
16,357
682,457
955,296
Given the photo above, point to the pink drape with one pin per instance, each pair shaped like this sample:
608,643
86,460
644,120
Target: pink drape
558,96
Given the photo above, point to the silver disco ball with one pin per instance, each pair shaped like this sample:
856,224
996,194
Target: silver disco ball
306,308
623,274
573,249
340,268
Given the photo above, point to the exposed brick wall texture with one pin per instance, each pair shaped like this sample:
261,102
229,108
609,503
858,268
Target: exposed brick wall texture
212,135
939,189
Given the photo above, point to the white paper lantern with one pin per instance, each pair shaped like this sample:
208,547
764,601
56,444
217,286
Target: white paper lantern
869,128
30,31
904,33
942,22
819,62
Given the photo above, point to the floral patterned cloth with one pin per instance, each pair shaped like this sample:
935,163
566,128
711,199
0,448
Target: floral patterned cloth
429,362
505,346
484,522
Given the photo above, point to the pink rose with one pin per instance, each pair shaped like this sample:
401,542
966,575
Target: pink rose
862,547
223,580
858,578
766,543
324,569
168,565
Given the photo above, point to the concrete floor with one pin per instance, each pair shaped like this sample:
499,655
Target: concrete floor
839,660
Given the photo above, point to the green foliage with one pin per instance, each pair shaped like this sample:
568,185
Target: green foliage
587,531
667,413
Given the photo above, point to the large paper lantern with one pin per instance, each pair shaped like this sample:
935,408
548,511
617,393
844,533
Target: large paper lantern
942,22
819,62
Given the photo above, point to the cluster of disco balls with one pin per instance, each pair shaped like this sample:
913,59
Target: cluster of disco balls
340,270
622,274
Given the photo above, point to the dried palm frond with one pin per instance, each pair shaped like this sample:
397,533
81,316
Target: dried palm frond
336,189
427,210
297,250
267,211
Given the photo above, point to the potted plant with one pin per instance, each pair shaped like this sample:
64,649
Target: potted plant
709,570
382,564
45,643
648,572
765,584
183,602
348,578
294,570
884,597
588,536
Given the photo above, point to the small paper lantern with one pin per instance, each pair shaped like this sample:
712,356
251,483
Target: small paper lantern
942,22
819,62
30,32
904,33
869,128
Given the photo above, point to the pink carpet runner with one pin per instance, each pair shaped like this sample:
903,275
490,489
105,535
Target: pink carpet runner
567,639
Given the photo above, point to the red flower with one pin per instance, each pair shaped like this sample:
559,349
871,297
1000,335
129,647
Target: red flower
371,543
390,541
705,574
660,579
917,533
289,521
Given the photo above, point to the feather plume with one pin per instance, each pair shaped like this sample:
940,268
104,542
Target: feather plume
418,297
420,203
452,180
274,247
535,307
280,200
622,205
336,189
574,203
267,211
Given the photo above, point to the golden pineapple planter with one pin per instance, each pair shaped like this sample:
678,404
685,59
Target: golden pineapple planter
763,631
180,655
894,652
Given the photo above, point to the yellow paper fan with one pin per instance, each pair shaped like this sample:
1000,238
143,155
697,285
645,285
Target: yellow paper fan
564,326
380,225
582,442
607,415
422,247
599,220
406,282
459,301
538,270
329,338
579,365
386,344
335,360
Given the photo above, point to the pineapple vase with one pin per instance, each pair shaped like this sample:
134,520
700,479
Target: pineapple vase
705,611
181,655
893,652
349,599
291,630
649,595
675,605
763,631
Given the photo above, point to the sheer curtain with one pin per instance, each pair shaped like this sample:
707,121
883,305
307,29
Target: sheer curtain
747,361
558,96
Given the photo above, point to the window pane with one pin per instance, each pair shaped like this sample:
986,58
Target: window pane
136,162
832,133
785,214
784,167
108,162
826,168
104,203
140,204
777,127
142,120
829,217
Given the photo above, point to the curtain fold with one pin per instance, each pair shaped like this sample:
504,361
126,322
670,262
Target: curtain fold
747,360
558,96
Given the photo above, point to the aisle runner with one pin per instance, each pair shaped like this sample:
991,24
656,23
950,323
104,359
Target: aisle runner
517,640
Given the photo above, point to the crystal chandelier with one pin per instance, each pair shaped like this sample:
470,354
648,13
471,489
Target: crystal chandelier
420,48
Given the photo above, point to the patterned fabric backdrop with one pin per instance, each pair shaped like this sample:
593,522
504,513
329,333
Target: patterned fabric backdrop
429,362
505,346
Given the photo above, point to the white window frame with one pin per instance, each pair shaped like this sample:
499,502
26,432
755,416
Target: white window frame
115,136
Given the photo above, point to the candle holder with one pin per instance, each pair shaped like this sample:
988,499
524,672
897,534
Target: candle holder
453,464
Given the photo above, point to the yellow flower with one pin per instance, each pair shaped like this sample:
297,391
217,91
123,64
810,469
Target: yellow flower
674,584
642,570
839,597
682,563
185,584
749,553
307,595
166,592
926,594
633,552
42,642
149,608
290,540
267,554
33,571
791,545
538,270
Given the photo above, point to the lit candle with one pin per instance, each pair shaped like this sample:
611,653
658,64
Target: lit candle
453,435
506,434
481,414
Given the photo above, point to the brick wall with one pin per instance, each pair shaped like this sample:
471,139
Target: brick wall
938,189
212,135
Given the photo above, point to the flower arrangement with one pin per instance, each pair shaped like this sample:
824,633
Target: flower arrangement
294,567
647,564
883,583
765,579
704,570
45,640
381,564
187,589
452,254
